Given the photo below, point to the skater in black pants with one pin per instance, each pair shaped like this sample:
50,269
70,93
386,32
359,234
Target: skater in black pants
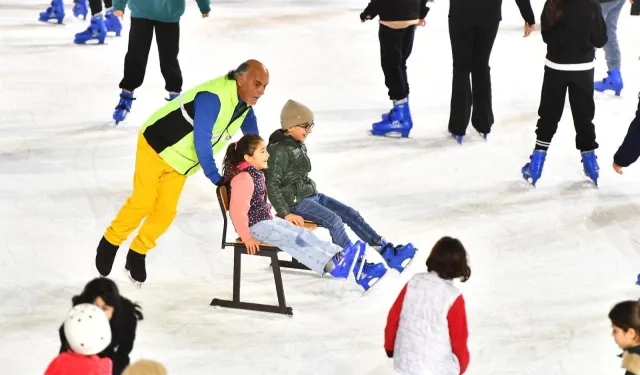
572,30
146,17
398,20
473,26
629,150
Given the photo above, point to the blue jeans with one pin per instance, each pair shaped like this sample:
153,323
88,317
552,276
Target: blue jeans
611,13
298,242
333,215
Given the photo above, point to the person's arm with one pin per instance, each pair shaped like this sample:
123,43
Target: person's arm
526,11
629,150
119,5
250,124
393,321
241,192
424,9
127,333
371,11
598,26
207,108
458,332
204,5
276,167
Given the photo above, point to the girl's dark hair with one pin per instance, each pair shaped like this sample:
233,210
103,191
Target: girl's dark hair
626,315
107,290
554,14
448,259
235,155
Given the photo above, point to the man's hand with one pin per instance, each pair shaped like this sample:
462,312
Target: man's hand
118,13
295,219
422,22
617,168
528,29
252,245
205,15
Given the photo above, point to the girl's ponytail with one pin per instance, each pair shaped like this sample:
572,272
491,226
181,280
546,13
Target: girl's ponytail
235,155
554,13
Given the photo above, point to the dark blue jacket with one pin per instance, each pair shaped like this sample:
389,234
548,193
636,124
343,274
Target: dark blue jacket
629,150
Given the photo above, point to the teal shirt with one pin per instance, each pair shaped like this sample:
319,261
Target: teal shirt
159,10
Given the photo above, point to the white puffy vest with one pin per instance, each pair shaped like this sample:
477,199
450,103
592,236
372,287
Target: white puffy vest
423,346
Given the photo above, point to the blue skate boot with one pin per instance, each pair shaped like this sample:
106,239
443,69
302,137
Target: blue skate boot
345,260
533,170
590,165
613,82
398,257
398,121
80,7
407,114
124,106
112,22
96,30
368,274
172,95
55,11
458,138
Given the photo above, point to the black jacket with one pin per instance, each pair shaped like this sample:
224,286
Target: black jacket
629,150
395,10
574,37
485,12
123,333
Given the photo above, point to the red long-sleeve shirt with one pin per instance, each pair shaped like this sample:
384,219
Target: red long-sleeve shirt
458,331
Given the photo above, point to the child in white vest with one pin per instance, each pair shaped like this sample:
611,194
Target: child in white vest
426,330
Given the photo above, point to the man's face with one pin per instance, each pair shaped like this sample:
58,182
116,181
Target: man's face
252,84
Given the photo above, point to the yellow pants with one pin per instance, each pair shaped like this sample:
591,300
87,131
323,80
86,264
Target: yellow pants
156,190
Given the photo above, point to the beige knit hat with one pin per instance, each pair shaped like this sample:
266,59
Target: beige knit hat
145,367
294,113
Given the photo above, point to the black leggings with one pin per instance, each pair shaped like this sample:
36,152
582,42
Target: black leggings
96,5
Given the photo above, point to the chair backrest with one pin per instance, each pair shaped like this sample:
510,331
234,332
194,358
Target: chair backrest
223,198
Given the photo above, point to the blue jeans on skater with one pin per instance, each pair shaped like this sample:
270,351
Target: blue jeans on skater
611,13
298,242
333,215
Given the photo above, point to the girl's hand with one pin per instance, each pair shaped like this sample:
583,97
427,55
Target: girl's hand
422,22
252,246
205,15
617,168
528,29
118,13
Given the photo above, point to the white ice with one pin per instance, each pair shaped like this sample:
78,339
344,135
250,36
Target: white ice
548,262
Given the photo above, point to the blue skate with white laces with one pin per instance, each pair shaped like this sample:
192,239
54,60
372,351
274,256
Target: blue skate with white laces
613,82
345,260
54,12
533,169
124,106
590,166
398,257
369,274
80,8
112,22
397,121
96,30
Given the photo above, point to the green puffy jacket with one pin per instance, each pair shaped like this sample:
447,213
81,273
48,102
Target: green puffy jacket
287,174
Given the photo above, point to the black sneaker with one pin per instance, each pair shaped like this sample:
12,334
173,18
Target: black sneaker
105,255
136,267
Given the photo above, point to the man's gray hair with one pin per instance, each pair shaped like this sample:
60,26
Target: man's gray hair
240,70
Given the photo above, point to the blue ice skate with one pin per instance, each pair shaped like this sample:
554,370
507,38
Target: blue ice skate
345,260
398,257
613,82
172,95
80,8
368,274
112,22
407,114
533,170
590,166
55,11
96,30
124,106
398,121
458,138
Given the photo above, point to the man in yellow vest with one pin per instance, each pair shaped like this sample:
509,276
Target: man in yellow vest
174,143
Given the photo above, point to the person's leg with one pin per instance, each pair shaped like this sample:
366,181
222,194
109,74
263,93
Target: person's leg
96,7
168,41
311,209
462,41
352,218
391,42
482,113
583,109
135,61
552,99
611,14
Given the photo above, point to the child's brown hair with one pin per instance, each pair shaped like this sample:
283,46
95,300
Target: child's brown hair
448,259
246,145
626,315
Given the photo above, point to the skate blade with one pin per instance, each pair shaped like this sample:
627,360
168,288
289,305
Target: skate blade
406,267
135,283
375,283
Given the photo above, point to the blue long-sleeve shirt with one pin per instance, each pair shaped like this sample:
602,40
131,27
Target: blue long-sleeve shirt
207,108
629,150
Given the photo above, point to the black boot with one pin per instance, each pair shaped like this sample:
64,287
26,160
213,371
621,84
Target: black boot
136,267
105,255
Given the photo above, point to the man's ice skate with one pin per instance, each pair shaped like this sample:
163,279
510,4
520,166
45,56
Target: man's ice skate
96,30
613,82
112,22
406,114
398,121
345,260
136,268
590,166
55,11
172,95
533,170
105,255
398,257
80,8
124,106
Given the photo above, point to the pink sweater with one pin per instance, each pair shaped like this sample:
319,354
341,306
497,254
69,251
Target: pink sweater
242,187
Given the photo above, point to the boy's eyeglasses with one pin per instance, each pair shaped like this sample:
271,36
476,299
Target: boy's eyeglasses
307,127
